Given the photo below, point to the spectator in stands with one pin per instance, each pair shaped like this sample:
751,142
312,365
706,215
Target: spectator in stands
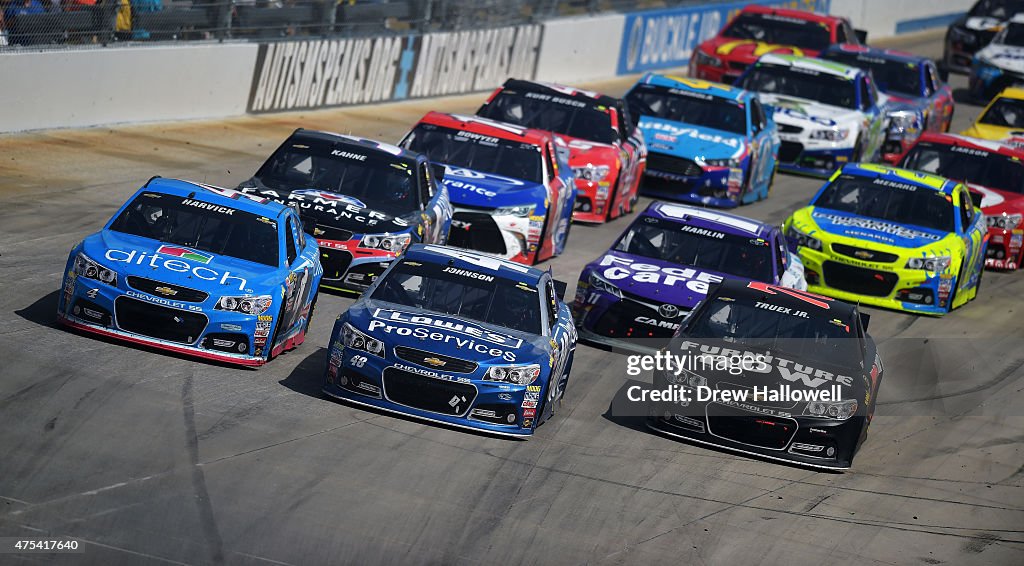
75,5
139,6
10,18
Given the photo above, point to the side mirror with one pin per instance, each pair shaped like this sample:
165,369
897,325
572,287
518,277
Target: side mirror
865,318
560,287
976,198
862,36
438,170
308,225
943,73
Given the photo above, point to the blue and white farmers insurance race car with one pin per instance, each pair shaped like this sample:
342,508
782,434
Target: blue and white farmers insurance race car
707,143
198,270
456,337
828,113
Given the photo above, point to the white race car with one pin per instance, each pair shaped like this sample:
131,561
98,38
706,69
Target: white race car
1001,63
827,113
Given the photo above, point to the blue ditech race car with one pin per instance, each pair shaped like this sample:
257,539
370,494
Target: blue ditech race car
771,371
459,338
363,200
638,292
512,187
892,238
708,143
198,270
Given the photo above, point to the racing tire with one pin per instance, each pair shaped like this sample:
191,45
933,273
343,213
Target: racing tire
540,245
858,150
277,333
312,308
956,283
771,180
949,121
611,203
977,286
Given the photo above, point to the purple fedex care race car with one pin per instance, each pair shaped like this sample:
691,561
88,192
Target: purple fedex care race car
637,293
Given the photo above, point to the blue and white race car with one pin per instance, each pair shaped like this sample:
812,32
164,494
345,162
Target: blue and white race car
456,337
828,113
708,143
198,270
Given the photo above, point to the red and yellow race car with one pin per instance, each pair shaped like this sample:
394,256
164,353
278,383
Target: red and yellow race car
607,151
993,169
758,30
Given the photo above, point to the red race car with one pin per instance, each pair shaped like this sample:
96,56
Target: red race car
758,30
991,169
607,151
511,187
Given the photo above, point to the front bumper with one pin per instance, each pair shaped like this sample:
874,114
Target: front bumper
628,323
812,157
1004,248
496,408
710,186
349,268
886,285
727,74
592,201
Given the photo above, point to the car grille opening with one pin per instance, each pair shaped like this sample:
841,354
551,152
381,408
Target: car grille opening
747,427
864,254
788,129
427,393
630,319
858,279
88,310
167,290
789,151
335,263
231,342
667,164
505,414
476,231
437,361
157,321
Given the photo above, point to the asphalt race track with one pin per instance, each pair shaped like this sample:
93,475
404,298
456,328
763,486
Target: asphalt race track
149,458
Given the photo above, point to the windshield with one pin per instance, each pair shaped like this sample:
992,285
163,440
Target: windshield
482,153
902,203
201,226
682,244
689,107
1013,36
559,114
826,88
460,292
756,325
769,28
1005,112
1001,9
375,181
969,165
893,77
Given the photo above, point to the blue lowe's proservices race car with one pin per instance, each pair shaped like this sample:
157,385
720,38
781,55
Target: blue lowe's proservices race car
363,200
456,337
708,143
198,270
638,292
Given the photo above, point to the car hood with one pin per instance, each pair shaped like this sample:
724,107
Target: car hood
466,339
808,113
171,263
1010,136
995,202
655,280
583,152
1003,56
748,50
469,187
684,140
874,230
334,209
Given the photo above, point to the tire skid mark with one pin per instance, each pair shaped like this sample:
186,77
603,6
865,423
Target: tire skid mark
1000,377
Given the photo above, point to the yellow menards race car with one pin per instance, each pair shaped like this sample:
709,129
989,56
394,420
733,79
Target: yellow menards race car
1002,120
891,238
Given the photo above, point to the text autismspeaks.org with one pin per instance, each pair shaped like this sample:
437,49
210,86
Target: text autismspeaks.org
736,363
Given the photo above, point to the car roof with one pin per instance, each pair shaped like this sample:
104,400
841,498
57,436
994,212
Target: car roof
777,295
887,54
786,13
812,64
565,91
473,261
355,143
1010,92
214,195
705,218
888,172
717,90
991,146
488,127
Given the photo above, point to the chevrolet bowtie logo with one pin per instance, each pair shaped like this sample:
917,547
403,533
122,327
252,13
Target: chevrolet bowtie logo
166,291
863,254
318,232
435,362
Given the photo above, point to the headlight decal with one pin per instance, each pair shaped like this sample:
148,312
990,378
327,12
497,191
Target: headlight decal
395,243
84,266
